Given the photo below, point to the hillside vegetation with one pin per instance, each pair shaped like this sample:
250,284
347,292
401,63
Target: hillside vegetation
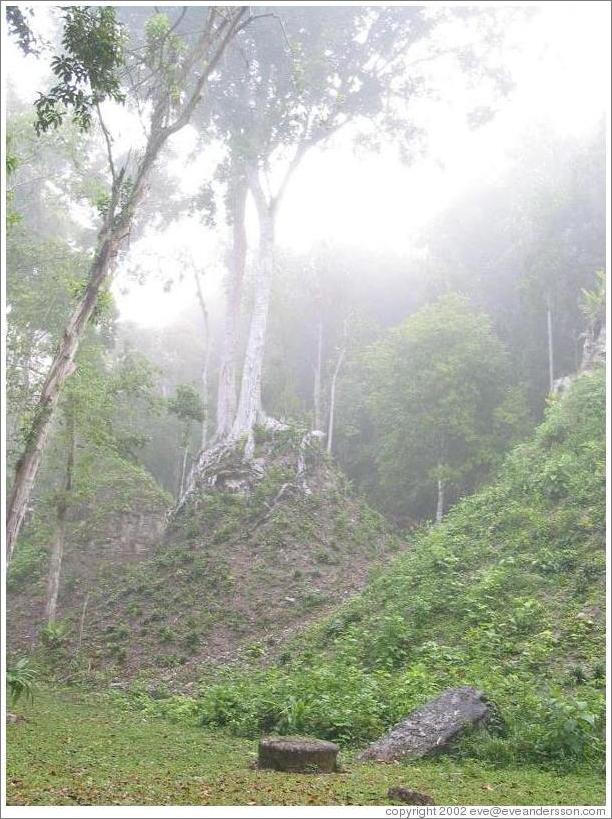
242,566
507,594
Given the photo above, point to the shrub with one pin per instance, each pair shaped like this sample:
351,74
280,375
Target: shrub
571,729
28,564
53,635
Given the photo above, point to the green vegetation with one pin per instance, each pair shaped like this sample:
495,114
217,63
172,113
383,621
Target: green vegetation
20,679
221,486
86,71
438,391
506,594
86,749
28,565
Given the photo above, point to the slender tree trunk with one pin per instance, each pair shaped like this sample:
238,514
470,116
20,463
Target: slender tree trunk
332,400
57,549
318,420
551,365
440,505
226,392
249,403
207,52
55,567
183,472
82,624
206,365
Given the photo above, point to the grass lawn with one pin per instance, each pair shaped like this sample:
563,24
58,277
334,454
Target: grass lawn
82,749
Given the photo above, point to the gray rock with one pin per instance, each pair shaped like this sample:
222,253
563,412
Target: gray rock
433,727
409,796
562,385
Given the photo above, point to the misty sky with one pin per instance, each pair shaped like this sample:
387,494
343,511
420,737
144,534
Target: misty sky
559,62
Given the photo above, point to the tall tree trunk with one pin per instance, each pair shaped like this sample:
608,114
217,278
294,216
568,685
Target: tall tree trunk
318,420
551,365
226,392
59,372
206,364
332,400
249,403
57,549
440,504
207,52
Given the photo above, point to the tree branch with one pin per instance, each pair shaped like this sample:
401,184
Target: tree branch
189,106
107,139
301,149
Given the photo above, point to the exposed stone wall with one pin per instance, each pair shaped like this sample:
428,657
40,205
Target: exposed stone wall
127,532
593,355
594,350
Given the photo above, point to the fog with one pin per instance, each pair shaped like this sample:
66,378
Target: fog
341,169
558,64
305,379
556,57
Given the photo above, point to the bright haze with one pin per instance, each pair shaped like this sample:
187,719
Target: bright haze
556,56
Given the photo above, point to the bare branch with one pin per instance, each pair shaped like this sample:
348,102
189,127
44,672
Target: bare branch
107,139
302,148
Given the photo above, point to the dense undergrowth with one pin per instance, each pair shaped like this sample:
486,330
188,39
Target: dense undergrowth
507,594
81,748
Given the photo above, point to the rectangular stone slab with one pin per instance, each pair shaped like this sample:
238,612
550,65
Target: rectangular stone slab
431,728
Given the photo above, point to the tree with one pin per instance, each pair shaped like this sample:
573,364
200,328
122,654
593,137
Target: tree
19,27
187,406
593,306
99,434
524,245
87,73
332,398
566,229
436,382
227,398
62,506
204,412
327,305
308,74
178,353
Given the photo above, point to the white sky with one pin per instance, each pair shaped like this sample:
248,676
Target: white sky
560,63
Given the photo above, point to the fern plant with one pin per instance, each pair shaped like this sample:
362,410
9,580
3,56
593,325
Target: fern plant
20,680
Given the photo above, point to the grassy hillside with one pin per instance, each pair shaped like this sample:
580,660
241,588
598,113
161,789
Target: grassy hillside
506,594
237,574
78,749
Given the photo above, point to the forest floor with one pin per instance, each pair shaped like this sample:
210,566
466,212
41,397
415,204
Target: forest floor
79,748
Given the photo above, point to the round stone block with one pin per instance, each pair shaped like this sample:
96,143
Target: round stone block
297,755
